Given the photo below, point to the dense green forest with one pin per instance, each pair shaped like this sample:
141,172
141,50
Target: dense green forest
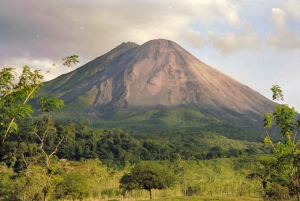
116,148
90,163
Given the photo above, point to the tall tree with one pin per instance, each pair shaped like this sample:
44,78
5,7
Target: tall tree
14,104
16,93
286,152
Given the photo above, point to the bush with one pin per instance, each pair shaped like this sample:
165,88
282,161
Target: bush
277,192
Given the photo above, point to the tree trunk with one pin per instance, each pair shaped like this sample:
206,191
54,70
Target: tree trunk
184,178
298,193
45,197
150,193
264,184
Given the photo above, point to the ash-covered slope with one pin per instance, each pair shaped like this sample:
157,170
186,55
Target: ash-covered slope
155,74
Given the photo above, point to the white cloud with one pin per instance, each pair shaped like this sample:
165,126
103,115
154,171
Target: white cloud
44,66
226,43
292,8
283,37
229,42
193,38
208,11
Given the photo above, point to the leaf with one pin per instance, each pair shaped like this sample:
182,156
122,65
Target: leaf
49,104
267,141
284,117
277,93
70,59
268,120
14,127
297,124
23,110
7,76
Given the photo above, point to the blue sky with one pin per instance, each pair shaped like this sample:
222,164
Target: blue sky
256,42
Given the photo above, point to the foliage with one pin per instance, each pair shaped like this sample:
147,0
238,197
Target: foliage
277,92
210,198
14,98
268,178
118,150
224,178
15,94
74,186
49,104
277,192
113,147
286,151
70,59
7,187
152,122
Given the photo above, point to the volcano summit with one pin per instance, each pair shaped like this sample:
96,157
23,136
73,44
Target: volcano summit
157,74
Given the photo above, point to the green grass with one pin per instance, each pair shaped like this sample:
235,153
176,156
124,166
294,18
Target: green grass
208,198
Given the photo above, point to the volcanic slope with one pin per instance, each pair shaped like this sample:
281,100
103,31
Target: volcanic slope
157,74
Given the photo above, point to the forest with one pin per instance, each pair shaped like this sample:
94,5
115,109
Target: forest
64,161
90,164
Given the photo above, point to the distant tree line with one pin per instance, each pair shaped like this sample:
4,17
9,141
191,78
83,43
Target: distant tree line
113,147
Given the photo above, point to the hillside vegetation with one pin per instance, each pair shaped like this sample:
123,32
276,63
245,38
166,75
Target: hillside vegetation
159,122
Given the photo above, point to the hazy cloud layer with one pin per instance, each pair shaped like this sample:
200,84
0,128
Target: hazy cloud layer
46,29
230,42
38,33
49,29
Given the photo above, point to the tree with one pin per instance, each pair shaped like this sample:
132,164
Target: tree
148,175
15,95
286,151
74,186
264,173
7,185
46,133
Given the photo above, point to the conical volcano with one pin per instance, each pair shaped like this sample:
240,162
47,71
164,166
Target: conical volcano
157,74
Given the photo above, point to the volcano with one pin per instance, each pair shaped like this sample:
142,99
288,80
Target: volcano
157,74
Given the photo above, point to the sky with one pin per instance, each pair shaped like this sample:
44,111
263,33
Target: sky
256,42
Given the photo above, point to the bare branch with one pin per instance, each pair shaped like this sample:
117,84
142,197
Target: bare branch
271,143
